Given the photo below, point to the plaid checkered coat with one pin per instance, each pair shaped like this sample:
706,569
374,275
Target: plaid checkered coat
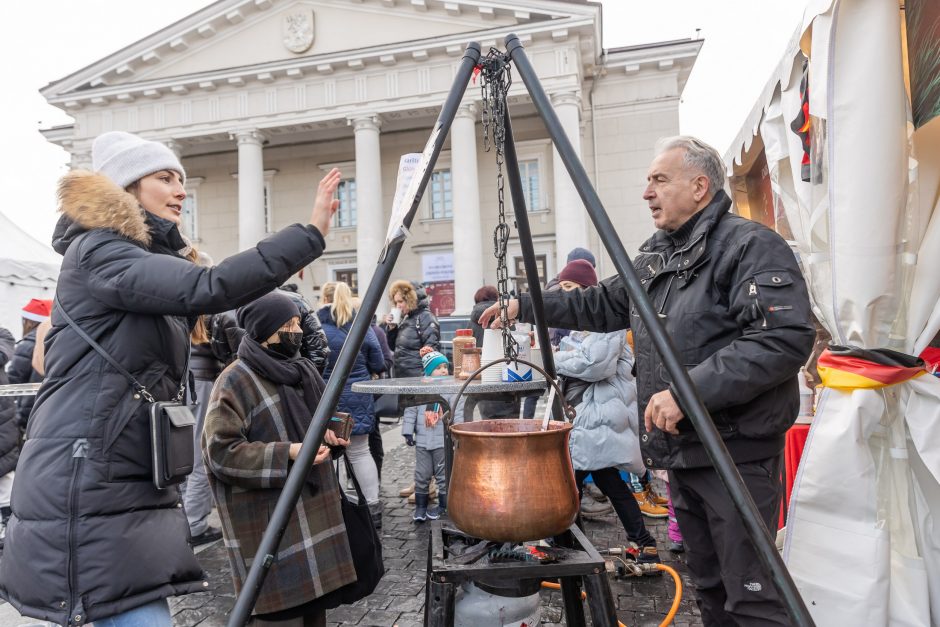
245,448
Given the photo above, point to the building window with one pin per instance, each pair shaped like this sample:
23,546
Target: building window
522,284
441,197
269,201
349,276
529,173
190,218
346,213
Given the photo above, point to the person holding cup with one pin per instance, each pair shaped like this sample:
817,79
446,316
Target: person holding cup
410,326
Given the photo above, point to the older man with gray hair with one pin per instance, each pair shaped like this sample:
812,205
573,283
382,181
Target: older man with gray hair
731,296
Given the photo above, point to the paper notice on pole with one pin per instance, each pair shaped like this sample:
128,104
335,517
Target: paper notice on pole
411,170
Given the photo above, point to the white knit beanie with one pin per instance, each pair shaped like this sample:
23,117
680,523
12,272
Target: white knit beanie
125,158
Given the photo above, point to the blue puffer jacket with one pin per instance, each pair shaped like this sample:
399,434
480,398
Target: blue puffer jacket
369,361
606,430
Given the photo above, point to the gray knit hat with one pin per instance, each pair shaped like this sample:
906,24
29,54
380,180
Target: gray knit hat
125,158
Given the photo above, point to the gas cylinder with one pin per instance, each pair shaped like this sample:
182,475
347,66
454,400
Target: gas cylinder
479,604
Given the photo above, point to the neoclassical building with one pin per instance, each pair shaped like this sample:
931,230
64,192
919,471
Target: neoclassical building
261,97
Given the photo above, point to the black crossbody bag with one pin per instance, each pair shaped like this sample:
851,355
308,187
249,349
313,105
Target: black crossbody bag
171,422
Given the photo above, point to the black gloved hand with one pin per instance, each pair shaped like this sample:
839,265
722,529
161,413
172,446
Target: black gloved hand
409,439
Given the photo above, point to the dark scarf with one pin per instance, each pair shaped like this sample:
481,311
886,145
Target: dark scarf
298,384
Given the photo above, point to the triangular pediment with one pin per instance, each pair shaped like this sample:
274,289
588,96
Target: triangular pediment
232,34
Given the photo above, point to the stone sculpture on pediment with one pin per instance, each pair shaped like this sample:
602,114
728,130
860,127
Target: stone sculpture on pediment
298,31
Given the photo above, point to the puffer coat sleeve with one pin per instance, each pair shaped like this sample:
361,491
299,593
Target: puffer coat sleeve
125,276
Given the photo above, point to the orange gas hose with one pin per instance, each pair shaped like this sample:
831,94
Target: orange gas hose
675,601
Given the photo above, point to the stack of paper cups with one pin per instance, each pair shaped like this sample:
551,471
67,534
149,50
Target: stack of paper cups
492,351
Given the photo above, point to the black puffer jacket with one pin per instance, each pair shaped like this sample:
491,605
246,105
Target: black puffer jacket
736,307
417,329
90,535
9,432
21,371
315,346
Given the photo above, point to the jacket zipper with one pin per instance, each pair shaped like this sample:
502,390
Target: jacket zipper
79,450
752,291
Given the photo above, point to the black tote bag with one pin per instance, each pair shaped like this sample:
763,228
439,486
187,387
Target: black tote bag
365,546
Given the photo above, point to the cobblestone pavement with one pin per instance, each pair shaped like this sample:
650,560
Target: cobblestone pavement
399,597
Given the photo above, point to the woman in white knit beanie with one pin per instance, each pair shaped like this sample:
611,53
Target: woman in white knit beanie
90,537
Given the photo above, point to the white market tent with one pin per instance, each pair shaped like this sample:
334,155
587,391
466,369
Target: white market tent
28,269
863,530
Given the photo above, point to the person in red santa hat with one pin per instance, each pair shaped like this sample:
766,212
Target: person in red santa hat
21,369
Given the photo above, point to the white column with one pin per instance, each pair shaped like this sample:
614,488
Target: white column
251,227
370,215
468,233
570,216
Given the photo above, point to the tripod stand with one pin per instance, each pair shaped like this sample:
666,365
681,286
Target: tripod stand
684,387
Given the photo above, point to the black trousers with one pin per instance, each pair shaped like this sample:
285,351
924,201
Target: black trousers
375,446
609,482
731,584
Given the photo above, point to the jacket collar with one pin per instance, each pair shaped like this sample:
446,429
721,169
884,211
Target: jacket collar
93,201
88,201
711,214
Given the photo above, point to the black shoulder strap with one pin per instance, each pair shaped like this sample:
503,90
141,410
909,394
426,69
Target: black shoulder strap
138,386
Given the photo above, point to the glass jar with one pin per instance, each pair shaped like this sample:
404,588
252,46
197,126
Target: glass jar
470,362
463,339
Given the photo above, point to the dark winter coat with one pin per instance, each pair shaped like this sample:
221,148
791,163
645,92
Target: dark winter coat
21,371
90,535
387,353
9,432
417,329
203,363
736,307
248,461
314,346
369,361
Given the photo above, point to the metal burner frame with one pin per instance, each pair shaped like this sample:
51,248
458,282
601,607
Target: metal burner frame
582,565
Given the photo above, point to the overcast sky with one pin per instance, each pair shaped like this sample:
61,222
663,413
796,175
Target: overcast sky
44,40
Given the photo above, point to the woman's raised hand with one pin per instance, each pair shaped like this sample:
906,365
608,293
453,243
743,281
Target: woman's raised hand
325,205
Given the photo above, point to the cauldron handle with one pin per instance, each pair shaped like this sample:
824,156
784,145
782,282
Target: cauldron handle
568,410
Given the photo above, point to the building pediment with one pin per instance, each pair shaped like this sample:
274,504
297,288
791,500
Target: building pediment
231,42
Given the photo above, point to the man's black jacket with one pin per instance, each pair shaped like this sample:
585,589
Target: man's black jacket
734,302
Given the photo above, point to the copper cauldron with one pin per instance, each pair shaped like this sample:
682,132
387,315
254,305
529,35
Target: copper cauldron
511,481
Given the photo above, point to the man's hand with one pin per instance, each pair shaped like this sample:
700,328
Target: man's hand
492,314
409,439
663,413
325,205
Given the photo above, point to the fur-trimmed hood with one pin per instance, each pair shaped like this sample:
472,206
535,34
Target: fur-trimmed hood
92,201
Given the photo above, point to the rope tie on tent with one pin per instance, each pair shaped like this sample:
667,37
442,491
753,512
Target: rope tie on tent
853,368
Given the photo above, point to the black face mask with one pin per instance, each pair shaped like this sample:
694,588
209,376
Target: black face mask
289,343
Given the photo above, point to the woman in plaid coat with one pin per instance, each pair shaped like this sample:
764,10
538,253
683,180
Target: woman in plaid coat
258,414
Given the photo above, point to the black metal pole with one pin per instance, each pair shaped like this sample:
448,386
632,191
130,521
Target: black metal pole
724,465
528,254
264,558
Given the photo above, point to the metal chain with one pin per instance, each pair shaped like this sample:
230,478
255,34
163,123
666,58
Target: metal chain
494,87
